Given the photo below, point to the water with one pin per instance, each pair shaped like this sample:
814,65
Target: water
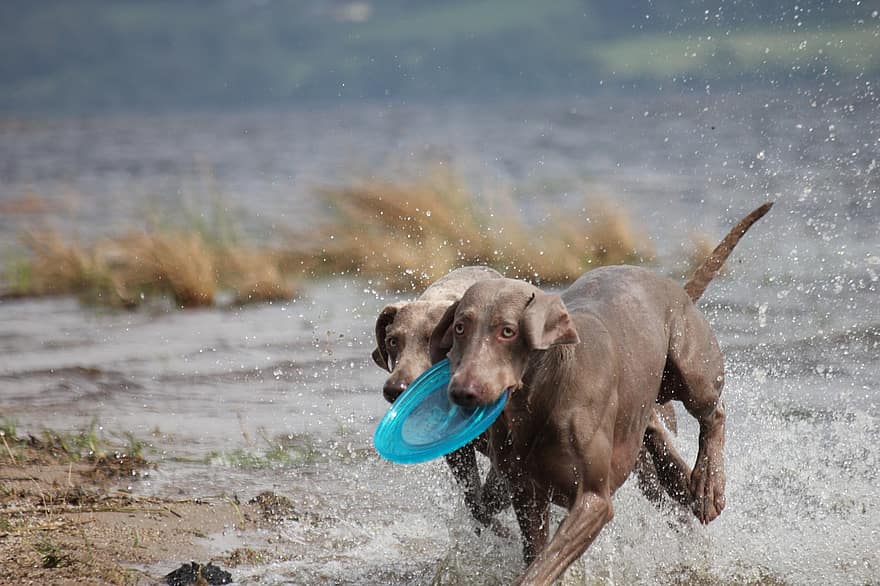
797,315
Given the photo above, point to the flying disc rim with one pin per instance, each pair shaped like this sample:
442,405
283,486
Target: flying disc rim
389,438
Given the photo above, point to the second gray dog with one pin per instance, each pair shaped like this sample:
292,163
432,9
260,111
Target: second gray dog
403,330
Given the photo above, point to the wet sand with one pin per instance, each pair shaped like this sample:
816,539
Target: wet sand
67,522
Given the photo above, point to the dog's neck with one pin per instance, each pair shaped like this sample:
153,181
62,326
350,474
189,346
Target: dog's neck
530,408
550,367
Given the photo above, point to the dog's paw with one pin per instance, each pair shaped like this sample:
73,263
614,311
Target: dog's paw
707,490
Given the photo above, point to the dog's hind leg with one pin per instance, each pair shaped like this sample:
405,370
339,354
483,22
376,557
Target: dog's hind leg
694,375
667,470
646,475
659,468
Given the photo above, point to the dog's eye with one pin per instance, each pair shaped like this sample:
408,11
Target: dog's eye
508,332
459,328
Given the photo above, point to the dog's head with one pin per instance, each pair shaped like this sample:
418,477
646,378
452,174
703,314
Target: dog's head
403,331
489,334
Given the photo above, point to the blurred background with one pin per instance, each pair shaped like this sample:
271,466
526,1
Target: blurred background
272,126
95,56
205,205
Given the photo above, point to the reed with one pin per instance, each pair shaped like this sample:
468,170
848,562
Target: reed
181,264
698,250
400,235
126,270
407,234
59,266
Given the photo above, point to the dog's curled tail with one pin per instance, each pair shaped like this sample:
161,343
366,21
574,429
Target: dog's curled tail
710,267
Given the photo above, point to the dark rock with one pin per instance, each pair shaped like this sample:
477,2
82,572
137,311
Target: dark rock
195,573
274,507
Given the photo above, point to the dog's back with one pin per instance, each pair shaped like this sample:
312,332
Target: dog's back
622,289
451,287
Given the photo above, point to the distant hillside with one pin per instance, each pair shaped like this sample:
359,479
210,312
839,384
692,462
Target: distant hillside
90,55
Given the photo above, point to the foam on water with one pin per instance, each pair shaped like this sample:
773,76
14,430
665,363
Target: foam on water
802,508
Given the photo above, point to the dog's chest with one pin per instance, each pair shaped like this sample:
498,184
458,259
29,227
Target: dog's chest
526,448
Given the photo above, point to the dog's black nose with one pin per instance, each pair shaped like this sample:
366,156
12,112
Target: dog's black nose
464,396
392,390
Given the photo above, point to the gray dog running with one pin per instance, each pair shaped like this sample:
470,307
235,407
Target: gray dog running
585,370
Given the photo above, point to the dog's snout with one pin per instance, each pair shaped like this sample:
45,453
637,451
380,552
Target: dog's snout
392,390
464,395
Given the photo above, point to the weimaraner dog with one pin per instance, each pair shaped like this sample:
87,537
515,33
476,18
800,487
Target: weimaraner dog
584,371
403,331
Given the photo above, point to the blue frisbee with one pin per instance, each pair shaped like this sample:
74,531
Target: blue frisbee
423,424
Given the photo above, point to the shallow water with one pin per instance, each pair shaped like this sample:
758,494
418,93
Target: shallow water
284,396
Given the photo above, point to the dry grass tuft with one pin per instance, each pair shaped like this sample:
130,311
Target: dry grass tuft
179,263
61,267
691,253
401,235
699,248
126,270
612,239
601,234
409,234
254,275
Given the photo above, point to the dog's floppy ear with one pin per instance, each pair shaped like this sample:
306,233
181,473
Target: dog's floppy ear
546,322
441,337
380,354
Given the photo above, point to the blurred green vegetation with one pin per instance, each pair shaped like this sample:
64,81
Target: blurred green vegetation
847,52
95,55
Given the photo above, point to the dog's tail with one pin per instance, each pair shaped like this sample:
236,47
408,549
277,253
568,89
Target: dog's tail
710,267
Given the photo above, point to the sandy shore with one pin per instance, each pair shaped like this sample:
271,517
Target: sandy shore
66,521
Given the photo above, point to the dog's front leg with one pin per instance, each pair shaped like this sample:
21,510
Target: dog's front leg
532,508
463,463
591,511
495,495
